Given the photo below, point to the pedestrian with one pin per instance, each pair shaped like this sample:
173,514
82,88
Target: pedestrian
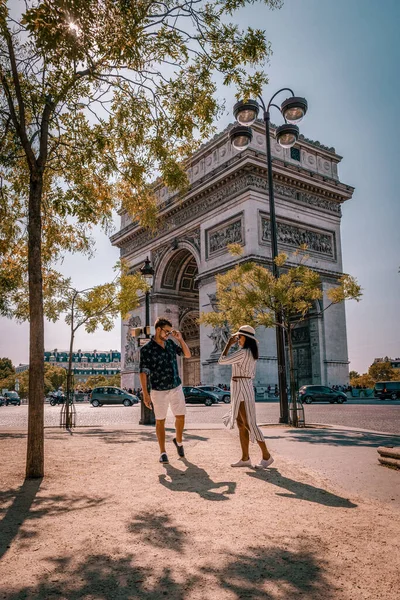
159,368
243,406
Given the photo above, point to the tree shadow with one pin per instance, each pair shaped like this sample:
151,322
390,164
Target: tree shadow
301,491
27,506
122,436
195,479
336,437
259,573
105,578
263,573
157,530
5,435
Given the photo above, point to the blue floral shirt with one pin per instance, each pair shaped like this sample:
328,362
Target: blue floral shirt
160,364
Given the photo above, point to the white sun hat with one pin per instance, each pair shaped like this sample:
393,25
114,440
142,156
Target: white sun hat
247,330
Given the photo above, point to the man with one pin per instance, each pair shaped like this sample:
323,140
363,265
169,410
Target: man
158,363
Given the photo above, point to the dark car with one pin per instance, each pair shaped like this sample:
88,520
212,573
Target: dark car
2,401
194,395
12,398
223,395
112,395
321,393
387,389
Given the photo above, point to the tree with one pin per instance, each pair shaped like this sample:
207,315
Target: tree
353,375
382,371
6,368
97,380
54,377
363,381
97,306
249,293
95,98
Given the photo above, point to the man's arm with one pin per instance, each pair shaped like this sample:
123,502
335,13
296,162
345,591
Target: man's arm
146,395
178,336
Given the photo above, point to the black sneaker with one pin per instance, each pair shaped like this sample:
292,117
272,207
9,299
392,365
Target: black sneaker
180,449
164,459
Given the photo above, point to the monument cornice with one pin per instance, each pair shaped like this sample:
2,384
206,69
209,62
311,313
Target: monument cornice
208,276
227,181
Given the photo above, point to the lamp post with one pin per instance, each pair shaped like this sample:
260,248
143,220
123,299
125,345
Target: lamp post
293,110
147,416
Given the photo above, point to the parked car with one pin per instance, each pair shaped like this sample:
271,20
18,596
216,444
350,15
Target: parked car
12,398
194,395
387,389
320,393
112,395
2,401
222,395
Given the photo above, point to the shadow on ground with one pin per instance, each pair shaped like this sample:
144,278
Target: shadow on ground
301,491
26,505
259,573
196,479
158,530
336,437
119,436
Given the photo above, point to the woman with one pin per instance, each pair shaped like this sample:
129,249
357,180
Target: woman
243,407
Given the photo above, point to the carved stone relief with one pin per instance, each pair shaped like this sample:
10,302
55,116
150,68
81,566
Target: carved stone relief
218,239
292,235
131,347
215,199
220,334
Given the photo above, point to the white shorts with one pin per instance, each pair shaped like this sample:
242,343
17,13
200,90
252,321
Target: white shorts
174,398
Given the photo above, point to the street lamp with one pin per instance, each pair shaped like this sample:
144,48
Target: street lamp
293,110
148,273
147,416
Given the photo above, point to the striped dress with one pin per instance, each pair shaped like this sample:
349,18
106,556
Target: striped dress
243,364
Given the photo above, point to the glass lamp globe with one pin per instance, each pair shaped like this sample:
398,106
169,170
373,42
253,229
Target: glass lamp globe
287,135
240,137
246,112
294,109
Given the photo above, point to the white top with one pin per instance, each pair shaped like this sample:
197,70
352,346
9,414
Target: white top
242,361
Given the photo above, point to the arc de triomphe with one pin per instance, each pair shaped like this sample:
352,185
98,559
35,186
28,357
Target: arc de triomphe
228,202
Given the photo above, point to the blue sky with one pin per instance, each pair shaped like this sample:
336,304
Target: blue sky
343,56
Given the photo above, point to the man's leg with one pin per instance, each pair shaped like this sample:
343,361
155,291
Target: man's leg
160,431
179,425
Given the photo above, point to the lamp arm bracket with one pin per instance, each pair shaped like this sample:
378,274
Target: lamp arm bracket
276,93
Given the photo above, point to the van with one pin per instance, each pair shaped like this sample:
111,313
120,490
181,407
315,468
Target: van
387,389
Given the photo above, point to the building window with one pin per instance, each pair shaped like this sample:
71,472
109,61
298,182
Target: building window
295,153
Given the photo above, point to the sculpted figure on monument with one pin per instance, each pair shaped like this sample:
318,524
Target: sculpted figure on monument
131,346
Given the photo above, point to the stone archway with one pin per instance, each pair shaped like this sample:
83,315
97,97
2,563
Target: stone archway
176,296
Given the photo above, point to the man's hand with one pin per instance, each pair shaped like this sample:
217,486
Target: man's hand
147,400
177,335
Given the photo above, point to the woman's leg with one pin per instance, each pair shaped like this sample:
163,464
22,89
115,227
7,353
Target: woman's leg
262,445
243,431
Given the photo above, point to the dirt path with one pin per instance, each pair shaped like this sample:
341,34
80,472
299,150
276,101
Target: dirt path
109,522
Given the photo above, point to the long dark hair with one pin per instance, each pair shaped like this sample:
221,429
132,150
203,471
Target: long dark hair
252,345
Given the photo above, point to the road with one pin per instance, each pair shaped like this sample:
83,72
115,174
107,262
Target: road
375,415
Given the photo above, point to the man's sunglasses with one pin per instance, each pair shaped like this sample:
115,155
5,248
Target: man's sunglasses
167,333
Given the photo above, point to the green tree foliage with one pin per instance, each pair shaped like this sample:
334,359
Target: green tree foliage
363,381
54,377
353,375
382,371
249,293
95,98
97,380
6,368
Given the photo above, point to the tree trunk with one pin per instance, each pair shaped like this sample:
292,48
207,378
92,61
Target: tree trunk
293,391
35,447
